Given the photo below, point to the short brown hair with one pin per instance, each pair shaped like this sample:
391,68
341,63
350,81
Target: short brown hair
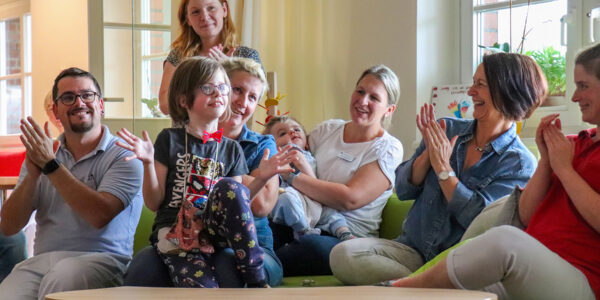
516,82
589,59
187,79
74,72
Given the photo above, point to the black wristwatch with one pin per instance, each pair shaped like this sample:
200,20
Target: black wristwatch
50,166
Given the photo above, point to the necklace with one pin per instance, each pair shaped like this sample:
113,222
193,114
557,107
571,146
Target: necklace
480,149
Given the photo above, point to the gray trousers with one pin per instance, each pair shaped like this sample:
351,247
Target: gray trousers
510,263
63,271
371,260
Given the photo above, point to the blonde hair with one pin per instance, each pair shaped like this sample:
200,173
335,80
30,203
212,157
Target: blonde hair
192,73
391,84
189,43
250,66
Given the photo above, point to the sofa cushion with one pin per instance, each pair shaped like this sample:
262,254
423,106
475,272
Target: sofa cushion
310,281
504,211
144,229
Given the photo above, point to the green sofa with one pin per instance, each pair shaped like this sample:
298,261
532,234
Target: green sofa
393,215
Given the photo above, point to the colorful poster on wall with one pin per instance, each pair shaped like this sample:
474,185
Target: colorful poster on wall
452,101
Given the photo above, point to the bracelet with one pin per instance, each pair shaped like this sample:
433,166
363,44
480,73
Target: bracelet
291,177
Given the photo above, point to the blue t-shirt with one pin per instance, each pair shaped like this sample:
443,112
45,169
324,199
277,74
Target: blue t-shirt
104,169
254,145
434,224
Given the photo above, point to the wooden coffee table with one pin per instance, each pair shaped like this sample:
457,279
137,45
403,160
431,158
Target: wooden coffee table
341,293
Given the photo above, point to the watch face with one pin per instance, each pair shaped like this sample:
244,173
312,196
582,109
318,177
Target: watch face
443,175
50,167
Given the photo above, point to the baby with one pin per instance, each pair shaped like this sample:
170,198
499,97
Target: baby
294,209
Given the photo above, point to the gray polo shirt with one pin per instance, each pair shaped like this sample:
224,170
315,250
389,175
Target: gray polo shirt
60,228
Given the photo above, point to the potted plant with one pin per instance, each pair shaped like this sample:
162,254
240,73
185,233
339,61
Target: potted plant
152,105
552,63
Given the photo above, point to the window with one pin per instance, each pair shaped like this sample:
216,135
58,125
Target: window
137,38
551,31
15,72
533,29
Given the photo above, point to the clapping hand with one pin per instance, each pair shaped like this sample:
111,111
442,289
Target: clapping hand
216,52
142,148
39,145
278,163
439,148
560,150
545,123
426,117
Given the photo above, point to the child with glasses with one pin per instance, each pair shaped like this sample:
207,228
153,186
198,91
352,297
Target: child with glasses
192,180
293,208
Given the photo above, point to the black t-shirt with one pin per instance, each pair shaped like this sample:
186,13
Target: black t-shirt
204,172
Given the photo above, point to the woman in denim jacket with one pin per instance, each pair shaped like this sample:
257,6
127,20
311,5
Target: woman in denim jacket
459,168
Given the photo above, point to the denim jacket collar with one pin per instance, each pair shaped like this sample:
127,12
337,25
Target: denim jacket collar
499,145
248,136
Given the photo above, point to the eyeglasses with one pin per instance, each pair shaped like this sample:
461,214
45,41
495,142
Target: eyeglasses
70,98
209,89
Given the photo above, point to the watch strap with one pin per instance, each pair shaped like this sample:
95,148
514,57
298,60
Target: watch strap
444,175
292,176
50,166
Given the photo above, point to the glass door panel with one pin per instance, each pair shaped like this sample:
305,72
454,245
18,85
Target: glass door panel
136,40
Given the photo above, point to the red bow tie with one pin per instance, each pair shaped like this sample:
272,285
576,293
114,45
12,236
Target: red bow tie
217,136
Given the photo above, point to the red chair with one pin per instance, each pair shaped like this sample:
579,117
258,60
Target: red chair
12,158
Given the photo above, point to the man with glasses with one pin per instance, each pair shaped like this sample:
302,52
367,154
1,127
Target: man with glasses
86,193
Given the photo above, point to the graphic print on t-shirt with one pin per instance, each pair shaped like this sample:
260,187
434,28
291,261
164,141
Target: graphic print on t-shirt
204,174
201,171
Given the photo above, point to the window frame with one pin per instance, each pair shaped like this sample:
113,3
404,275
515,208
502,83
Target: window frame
20,11
97,25
575,30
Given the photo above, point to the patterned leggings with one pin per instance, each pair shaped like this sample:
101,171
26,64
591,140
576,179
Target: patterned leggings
229,224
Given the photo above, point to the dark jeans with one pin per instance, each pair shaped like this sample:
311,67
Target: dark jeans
230,277
309,255
12,252
147,269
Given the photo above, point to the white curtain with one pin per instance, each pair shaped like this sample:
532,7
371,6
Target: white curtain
319,48
290,36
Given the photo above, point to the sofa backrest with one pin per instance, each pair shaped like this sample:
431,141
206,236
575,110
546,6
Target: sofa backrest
393,216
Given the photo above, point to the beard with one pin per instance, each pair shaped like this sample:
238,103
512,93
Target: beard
82,127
